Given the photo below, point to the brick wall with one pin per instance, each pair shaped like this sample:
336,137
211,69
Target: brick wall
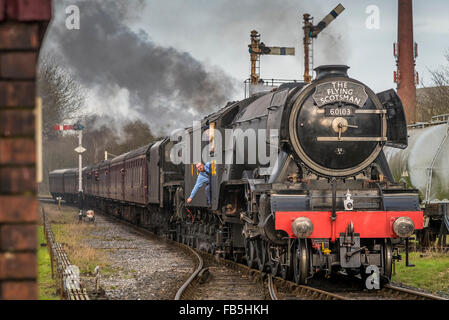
22,26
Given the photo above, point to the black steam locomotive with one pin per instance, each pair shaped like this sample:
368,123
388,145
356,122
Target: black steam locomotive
327,204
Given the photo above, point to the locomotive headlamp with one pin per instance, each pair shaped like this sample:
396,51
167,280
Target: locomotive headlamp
349,202
403,227
302,227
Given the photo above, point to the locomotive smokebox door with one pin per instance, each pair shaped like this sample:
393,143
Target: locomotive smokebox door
337,125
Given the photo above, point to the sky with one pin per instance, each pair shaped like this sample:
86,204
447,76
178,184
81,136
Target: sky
217,32
182,59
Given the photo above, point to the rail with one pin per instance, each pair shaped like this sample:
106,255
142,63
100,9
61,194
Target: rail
264,85
193,276
271,288
70,287
294,291
410,294
441,117
435,120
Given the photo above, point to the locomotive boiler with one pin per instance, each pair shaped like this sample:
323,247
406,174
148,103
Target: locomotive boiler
326,203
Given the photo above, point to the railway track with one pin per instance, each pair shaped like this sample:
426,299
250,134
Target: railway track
276,288
183,288
210,280
391,292
352,288
222,279
227,275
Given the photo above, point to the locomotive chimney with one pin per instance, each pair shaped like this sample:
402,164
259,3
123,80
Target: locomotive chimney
405,52
331,70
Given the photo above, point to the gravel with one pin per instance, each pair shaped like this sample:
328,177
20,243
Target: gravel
145,268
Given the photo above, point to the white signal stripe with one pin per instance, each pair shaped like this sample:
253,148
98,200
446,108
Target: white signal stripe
60,127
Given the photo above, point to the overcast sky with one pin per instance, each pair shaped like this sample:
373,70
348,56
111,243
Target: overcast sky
211,37
217,32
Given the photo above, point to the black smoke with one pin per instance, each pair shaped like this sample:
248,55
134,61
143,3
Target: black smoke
129,75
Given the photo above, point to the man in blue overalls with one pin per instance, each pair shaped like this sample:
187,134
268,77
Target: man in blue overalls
203,178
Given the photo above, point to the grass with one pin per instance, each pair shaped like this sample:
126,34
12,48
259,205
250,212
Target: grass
431,271
47,286
69,232
72,236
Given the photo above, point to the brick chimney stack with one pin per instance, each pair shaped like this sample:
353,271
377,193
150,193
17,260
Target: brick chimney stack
405,51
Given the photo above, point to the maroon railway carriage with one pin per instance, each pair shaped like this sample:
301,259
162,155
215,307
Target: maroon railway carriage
96,180
104,183
86,180
136,177
117,172
70,180
56,182
64,184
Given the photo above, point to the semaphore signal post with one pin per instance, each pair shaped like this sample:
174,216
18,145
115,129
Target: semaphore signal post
80,149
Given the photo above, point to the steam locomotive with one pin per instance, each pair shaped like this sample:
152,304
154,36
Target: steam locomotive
328,204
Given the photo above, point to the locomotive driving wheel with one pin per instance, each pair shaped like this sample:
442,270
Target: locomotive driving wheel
388,259
274,267
262,254
300,261
286,265
274,259
237,256
178,232
250,253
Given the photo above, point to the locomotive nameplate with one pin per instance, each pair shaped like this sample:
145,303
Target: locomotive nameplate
340,91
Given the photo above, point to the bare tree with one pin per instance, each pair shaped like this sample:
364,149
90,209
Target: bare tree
62,97
62,101
434,100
